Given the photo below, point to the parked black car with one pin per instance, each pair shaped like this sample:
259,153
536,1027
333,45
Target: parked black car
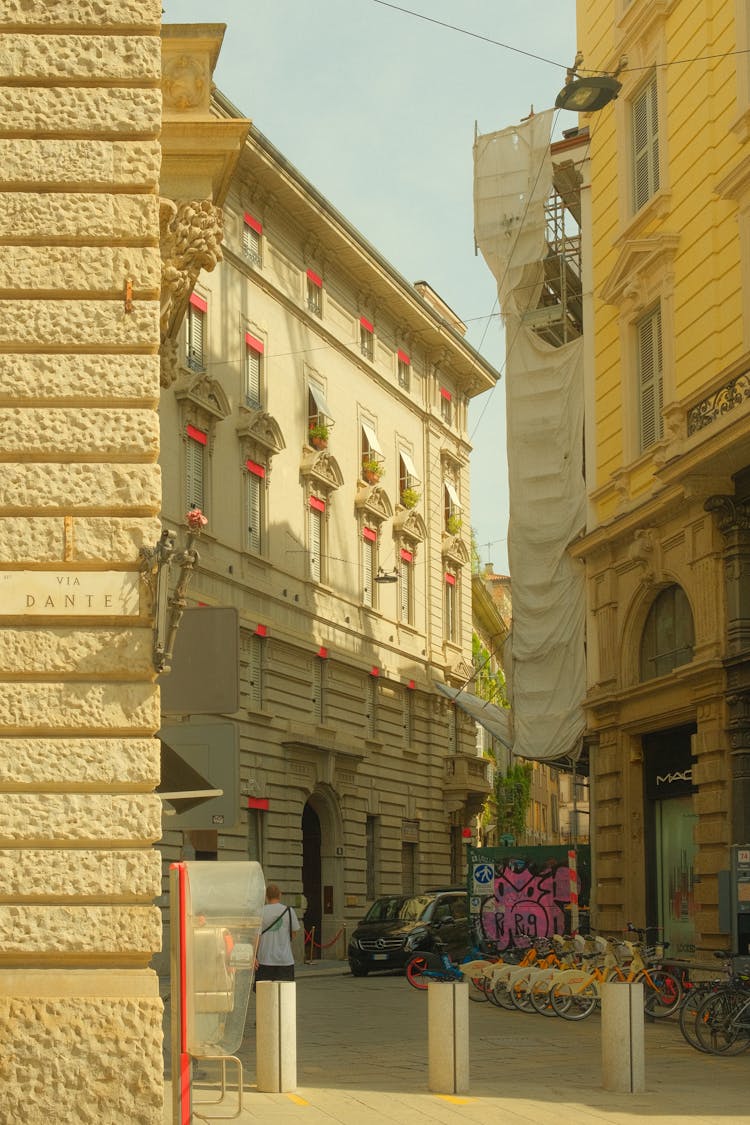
396,926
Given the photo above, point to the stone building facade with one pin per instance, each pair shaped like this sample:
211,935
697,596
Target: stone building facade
318,417
80,496
665,549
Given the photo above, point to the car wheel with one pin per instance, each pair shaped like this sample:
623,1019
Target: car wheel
358,970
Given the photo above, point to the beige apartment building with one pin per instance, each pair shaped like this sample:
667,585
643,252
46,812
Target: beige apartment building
316,412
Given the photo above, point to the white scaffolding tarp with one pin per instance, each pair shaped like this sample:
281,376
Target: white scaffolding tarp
544,394
493,718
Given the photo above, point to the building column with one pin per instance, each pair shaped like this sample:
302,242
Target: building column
79,495
733,521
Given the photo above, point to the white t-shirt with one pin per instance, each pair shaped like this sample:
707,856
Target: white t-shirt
275,945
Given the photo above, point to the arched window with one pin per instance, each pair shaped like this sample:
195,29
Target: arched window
668,635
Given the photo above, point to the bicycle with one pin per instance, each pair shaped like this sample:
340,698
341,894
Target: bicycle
427,966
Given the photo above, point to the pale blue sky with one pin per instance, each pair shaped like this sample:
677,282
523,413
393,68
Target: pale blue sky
377,108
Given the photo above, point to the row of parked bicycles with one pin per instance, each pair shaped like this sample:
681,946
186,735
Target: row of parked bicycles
564,976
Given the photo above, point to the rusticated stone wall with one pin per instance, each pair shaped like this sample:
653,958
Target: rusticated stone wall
80,110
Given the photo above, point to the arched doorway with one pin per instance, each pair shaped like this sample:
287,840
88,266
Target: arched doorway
323,871
312,875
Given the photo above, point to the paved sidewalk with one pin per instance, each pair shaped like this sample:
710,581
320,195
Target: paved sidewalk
362,1060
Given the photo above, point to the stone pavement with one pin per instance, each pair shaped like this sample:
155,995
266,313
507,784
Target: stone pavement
362,1060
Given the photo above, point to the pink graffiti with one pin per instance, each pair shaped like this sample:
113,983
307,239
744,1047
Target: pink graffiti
526,905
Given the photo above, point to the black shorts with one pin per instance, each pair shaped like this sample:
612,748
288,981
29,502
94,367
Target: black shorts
274,972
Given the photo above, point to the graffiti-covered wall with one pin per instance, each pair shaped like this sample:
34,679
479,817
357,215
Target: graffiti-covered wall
520,894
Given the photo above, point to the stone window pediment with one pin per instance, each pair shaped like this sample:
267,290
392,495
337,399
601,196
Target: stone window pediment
461,671
203,404
372,501
639,263
259,430
409,525
455,550
321,470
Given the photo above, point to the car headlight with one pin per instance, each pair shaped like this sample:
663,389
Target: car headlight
415,939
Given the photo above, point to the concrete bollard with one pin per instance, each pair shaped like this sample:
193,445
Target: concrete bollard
276,1036
623,1052
448,1037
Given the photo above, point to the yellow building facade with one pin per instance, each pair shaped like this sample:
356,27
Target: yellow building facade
667,544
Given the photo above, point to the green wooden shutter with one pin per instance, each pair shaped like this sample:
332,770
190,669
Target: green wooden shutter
650,382
194,473
645,123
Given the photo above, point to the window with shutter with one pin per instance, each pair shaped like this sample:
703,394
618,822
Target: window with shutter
314,293
255,483
451,608
315,526
252,231
195,333
408,697
369,565
405,587
404,370
195,463
446,405
366,342
371,702
645,128
254,350
318,670
650,383
251,670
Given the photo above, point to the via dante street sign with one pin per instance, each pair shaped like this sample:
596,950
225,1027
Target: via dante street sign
69,593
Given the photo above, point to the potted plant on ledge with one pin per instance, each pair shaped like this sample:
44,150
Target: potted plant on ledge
372,470
318,436
410,497
453,525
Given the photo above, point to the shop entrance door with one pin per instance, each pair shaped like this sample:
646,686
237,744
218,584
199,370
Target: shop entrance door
670,844
675,822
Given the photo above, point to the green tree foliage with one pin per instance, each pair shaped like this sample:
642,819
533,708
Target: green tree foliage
488,685
512,799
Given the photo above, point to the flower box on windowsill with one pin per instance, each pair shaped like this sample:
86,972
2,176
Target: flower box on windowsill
372,471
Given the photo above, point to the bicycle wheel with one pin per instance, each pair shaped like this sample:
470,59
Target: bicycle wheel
541,1002
722,1024
662,992
478,989
688,1015
574,1001
416,972
501,996
519,995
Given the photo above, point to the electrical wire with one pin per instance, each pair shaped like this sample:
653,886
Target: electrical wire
471,34
553,62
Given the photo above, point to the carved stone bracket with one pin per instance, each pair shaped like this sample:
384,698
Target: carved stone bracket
731,515
191,232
